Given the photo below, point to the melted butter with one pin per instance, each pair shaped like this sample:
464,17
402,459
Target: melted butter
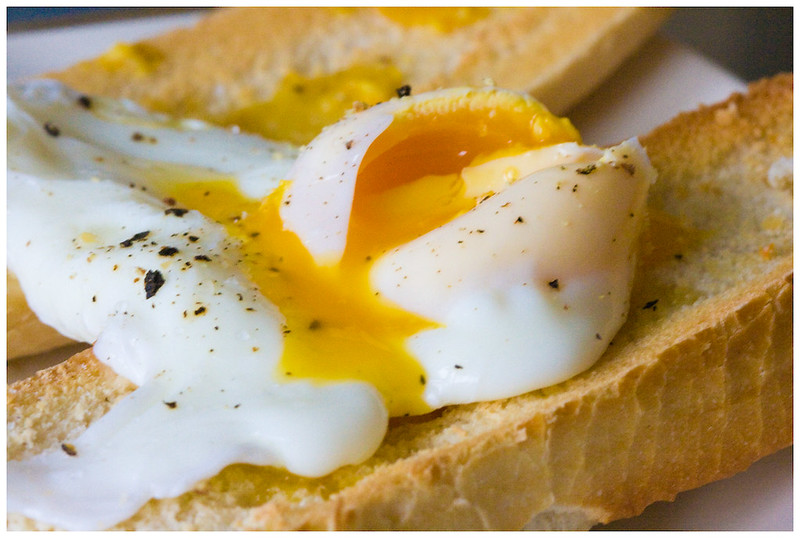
441,19
302,106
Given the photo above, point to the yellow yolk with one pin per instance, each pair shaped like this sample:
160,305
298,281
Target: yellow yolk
302,106
442,19
138,58
409,182
336,329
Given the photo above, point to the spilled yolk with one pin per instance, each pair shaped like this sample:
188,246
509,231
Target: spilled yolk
302,106
138,58
408,183
336,329
442,19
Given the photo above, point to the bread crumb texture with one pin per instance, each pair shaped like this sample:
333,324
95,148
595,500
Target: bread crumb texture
695,387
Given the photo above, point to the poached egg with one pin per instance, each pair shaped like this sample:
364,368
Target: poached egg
276,305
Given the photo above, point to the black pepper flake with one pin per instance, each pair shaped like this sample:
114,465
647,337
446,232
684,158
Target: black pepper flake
69,449
85,101
170,201
136,237
650,305
171,405
404,90
314,325
597,335
422,379
553,284
177,211
628,167
202,258
587,170
193,238
94,298
678,257
348,144
574,188
200,311
168,251
458,366
51,129
139,137
519,220
153,281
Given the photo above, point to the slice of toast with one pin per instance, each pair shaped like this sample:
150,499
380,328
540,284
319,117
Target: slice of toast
235,58
695,387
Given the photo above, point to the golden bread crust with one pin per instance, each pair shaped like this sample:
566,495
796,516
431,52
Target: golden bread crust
695,387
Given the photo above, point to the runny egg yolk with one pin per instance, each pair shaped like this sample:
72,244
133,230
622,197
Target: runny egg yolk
409,182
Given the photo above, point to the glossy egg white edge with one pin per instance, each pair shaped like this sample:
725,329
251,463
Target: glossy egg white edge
116,139
530,286
203,362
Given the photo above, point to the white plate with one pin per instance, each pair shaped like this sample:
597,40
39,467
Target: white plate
662,80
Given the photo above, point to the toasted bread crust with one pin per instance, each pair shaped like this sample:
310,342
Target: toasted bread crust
695,387
25,334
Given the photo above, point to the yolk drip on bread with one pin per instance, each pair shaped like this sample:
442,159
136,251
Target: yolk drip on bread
337,327
442,19
302,105
298,109
137,59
